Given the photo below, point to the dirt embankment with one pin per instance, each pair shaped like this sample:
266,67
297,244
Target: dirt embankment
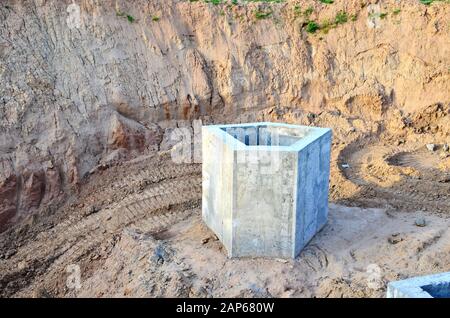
87,83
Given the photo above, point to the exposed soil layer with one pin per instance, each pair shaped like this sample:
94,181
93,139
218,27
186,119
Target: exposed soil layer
135,230
87,83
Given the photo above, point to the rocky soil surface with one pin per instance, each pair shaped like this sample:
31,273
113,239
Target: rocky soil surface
91,95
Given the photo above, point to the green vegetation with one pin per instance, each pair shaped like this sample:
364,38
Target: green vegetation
129,17
308,11
326,25
267,1
374,15
341,17
312,27
309,24
381,15
428,2
262,14
155,18
235,2
214,2
299,13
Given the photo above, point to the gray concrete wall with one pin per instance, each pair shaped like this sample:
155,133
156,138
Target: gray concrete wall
217,197
263,205
312,190
429,286
265,200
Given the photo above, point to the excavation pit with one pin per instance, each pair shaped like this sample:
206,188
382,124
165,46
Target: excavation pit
265,186
431,286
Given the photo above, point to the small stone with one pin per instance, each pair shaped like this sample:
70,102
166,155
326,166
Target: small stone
431,147
345,165
311,116
421,222
400,141
445,179
281,260
205,240
92,209
352,129
161,255
41,293
21,265
127,291
445,147
48,164
9,253
395,238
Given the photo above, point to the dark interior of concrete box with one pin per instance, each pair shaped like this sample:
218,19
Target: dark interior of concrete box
441,290
265,135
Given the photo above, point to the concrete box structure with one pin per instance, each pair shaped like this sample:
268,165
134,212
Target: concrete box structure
431,286
265,186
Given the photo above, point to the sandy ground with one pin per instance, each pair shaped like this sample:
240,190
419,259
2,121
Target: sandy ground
355,255
134,228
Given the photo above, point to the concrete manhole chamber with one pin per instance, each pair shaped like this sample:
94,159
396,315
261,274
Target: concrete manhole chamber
265,186
430,286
